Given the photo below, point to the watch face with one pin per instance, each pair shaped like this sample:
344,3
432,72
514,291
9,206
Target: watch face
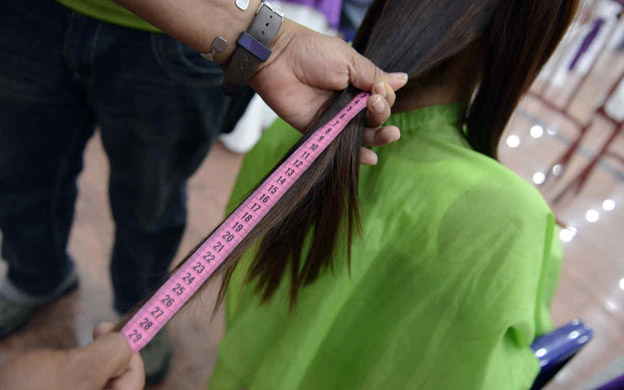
242,4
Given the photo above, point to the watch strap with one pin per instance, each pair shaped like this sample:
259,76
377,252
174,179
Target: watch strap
252,48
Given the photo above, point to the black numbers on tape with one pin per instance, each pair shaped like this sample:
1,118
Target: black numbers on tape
228,236
342,115
313,146
329,129
146,323
178,289
356,102
135,335
290,171
256,206
322,137
281,180
237,226
208,257
247,217
157,312
188,278
349,108
218,247
167,300
199,268
297,163
335,123
272,189
264,198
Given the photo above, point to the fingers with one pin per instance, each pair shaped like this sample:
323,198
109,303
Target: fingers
101,329
381,136
367,157
133,375
377,110
363,74
107,357
132,379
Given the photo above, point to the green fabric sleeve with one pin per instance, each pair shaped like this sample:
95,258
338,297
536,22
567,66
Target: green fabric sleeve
107,11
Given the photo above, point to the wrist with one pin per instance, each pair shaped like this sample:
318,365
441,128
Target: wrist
253,48
280,43
240,21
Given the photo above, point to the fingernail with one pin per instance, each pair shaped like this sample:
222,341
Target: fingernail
380,89
378,105
399,75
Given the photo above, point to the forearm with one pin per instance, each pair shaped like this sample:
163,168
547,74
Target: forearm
196,23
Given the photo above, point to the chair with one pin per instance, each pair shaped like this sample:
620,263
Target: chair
555,349
614,384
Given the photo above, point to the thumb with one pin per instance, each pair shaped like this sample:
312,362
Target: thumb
107,357
363,74
101,329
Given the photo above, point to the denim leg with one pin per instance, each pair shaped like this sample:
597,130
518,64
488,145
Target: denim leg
159,105
44,126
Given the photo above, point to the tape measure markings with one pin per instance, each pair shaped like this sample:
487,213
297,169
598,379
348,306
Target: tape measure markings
184,282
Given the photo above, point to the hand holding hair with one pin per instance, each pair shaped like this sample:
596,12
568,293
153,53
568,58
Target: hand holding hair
307,68
107,363
300,77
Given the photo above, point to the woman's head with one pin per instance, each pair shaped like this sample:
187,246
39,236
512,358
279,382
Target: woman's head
513,37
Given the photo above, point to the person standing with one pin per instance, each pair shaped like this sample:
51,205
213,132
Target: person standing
66,66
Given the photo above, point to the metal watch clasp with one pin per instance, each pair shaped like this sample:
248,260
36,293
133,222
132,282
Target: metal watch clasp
272,8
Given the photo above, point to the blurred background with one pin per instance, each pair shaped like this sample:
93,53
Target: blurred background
566,138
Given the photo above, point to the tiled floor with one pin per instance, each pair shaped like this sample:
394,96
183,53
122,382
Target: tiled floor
591,285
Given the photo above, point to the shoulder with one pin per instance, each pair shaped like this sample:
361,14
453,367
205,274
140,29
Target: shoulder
475,185
458,192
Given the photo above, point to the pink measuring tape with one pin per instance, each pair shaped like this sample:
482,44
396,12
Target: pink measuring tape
178,289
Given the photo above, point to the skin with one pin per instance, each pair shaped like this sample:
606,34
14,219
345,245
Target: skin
456,84
107,363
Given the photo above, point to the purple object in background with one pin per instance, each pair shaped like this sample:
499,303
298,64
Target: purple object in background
330,8
615,384
561,343
554,349
589,39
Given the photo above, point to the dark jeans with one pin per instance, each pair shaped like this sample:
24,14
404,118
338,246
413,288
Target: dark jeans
159,106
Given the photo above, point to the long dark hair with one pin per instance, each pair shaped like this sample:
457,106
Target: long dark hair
417,37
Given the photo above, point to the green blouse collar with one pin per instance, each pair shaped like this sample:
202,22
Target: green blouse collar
448,115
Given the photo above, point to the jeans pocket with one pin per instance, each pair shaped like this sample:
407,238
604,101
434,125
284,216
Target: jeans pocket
185,64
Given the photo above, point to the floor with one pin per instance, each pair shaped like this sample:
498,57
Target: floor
591,285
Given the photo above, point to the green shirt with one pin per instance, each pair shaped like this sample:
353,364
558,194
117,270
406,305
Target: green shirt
450,282
110,12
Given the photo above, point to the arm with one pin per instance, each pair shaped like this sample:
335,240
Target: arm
302,73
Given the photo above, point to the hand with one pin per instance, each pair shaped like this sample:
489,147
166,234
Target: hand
306,68
107,363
